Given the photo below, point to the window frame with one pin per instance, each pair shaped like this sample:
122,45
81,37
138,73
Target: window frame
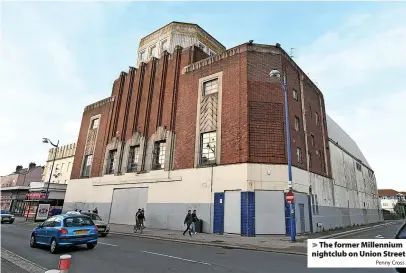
95,123
151,49
86,167
132,162
161,45
297,124
111,161
157,157
141,55
295,95
204,84
210,161
299,154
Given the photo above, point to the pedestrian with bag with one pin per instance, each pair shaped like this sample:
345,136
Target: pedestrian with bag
194,221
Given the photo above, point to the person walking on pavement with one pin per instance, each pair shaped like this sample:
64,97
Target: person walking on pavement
136,219
188,221
194,220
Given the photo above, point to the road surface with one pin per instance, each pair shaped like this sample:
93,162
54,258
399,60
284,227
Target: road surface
137,255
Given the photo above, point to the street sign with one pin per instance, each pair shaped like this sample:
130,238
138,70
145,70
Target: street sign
290,198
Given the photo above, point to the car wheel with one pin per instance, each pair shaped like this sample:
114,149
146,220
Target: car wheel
103,235
54,246
91,246
11,222
32,242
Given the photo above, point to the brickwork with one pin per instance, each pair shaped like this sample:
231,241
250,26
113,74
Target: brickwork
104,111
164,92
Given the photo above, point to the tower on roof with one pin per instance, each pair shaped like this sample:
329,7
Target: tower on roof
173,34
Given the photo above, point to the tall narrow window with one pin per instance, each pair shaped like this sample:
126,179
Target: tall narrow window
208,148
297,124
95,123
111,162
317,118
299,155
210,87
142,56
152,51
310,160
158,159
295,94
164,45
312,138
87,163
133,159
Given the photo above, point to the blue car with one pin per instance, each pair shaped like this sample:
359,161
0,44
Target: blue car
65,230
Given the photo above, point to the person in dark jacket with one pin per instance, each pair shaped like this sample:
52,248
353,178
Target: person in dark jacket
188,221
96,211
194,220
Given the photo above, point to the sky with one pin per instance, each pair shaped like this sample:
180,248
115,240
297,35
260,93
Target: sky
58,57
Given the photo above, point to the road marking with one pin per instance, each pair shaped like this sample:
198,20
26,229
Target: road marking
106,244
173,257
379,236
21,262
349,232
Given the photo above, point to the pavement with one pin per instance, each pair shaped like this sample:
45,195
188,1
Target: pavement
135,254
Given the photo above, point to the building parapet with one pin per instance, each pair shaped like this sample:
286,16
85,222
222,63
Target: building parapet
99,103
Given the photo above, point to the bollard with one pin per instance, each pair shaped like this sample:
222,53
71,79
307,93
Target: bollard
64,263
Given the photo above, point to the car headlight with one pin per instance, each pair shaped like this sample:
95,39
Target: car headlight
12,216
108,227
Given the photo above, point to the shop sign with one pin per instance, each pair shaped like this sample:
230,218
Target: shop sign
42,212
36,195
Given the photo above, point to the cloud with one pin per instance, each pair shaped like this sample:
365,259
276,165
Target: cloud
359,67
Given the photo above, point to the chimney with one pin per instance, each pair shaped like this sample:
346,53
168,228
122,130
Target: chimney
32,166
19,168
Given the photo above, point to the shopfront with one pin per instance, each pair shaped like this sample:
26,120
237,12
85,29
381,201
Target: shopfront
13,199
34,199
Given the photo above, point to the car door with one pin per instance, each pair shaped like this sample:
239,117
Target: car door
46,230
40,233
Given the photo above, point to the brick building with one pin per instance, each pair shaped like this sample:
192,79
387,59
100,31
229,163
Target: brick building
188,130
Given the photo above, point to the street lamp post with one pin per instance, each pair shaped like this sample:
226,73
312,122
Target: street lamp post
47,140
275,74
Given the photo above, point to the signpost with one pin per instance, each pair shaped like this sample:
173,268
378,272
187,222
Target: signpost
42,212
290,198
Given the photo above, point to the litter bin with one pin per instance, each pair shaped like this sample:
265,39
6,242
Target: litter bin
199,226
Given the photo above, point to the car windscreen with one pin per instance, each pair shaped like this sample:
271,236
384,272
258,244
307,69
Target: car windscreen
4,211
78,222
96,217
